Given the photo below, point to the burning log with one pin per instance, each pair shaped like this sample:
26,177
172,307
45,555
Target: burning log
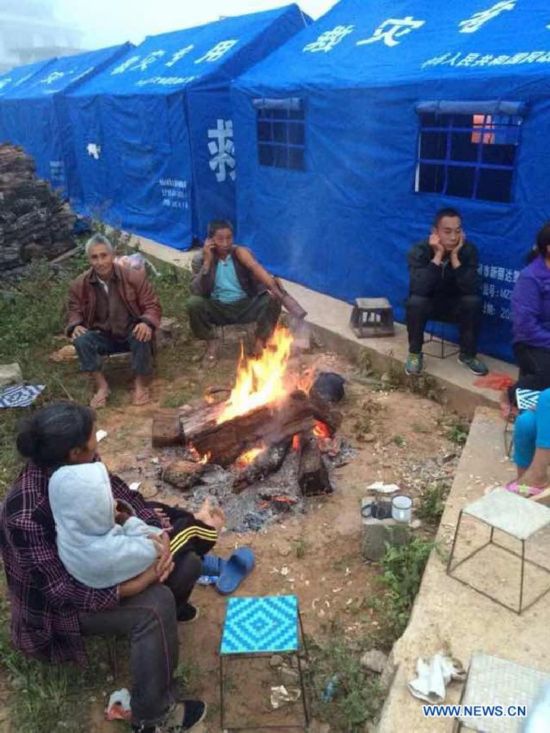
226,441
326,413
312,473
268,461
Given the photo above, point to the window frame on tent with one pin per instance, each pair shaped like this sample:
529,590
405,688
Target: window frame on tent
280,133
468,150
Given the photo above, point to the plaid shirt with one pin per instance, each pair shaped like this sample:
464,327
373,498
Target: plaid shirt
45,599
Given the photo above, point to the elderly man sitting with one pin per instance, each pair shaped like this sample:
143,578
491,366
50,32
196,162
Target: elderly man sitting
112,309
230,286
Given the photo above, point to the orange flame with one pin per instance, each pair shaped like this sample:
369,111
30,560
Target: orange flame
296,442
321,430
196,456
246,458
260,381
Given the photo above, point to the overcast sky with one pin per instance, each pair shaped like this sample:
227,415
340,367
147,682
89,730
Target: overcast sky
107,22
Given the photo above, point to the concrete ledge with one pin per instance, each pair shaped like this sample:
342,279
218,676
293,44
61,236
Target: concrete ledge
329,318
449,616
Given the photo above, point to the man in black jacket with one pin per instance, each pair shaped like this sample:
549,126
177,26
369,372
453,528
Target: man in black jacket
444,286
230,286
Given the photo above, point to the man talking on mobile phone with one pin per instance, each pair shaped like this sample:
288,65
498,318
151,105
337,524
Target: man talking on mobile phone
230,286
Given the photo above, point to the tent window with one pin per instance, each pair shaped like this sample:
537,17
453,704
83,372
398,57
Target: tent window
281,134
469,155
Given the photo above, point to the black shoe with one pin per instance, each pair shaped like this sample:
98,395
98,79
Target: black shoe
195,711
188,613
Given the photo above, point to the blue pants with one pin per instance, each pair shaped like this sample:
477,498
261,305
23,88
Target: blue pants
92,345
532,431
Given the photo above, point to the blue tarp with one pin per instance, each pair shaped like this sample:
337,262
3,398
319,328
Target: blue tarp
14,78
357,194
33,112
154,134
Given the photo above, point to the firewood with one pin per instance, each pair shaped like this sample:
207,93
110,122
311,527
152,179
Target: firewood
312,472
326,412
183,474
268,461
166,429
224,442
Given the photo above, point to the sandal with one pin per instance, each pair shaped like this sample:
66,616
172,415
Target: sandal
516,487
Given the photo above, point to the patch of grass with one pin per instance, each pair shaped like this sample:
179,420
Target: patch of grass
419,428
46,697
458,433
432,503
177,398
402,570
300,548
399,440
356,695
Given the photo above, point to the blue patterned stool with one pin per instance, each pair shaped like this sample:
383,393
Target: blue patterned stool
261,627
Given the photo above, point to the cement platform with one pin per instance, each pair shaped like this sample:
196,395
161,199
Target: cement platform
329,319
451,617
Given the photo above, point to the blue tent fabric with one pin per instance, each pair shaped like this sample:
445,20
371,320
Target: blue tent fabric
33,112
367,74
14,78
153,133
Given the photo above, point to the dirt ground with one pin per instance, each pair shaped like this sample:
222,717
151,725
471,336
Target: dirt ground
316,555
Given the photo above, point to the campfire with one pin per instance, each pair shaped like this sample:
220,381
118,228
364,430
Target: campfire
271,414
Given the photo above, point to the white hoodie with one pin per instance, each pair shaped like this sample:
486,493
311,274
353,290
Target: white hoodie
92,547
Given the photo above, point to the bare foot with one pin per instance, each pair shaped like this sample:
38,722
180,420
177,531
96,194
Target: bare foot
141,396
100,398
211,353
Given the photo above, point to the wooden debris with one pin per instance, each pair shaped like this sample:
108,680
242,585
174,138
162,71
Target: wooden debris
312,473
34,221
268,461
183,474
166,429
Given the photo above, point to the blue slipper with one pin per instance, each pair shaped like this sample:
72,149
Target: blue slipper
212,565
240,564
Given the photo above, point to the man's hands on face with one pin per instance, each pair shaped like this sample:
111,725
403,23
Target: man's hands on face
455,261
439,250
142,332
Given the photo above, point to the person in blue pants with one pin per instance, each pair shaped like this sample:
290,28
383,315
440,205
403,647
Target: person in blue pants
532,447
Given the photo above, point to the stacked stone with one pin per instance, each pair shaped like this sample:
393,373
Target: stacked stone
34,220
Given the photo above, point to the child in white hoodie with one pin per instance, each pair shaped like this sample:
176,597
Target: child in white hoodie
101,545
92,546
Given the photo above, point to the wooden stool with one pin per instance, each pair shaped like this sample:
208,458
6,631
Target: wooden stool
372,317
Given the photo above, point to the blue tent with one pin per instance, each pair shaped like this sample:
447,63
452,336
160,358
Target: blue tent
11,80
33,112
154,135
357,130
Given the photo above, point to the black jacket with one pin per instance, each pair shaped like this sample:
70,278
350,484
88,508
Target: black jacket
442,281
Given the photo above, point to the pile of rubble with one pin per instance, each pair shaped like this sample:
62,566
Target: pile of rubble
34,221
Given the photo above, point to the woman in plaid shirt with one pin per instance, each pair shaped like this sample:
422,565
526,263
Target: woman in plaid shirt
51,611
